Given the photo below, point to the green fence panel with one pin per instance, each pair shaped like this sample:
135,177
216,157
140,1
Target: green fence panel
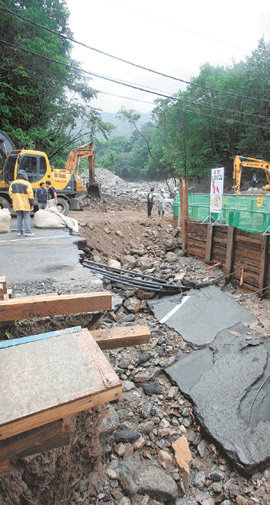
248,212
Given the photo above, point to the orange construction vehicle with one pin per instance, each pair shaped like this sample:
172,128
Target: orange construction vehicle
71,193
241,162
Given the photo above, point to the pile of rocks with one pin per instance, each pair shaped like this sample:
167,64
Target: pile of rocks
113,185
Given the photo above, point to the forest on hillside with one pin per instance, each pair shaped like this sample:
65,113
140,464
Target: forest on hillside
224,111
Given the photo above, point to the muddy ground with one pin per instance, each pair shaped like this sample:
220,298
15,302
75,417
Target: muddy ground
122,453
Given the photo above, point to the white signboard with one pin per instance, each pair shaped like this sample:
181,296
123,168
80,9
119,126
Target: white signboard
216,191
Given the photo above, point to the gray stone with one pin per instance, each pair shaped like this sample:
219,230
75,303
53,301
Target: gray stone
124,363
171,257
127,385
146,427
130,261
217,475
145,262
217,487
109,422
150,480
151,388
114,263
132,304
146,411
129,318
199,479
145,356
188,500
126,436
116,301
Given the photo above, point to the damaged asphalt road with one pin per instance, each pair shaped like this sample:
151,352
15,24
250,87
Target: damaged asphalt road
230,391
200,315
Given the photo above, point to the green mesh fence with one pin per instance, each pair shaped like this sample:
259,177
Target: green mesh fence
248,212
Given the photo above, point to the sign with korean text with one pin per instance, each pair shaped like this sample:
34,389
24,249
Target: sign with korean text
216,191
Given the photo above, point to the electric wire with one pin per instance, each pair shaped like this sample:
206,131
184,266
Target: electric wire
110,79
162,74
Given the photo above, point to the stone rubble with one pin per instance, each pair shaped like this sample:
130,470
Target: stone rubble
137,432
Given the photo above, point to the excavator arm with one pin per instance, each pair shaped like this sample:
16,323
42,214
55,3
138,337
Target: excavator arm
72,165
241,162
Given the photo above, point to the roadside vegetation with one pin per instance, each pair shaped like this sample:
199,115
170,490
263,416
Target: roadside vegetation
223,112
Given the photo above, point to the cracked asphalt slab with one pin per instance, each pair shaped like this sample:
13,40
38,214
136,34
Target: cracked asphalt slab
200,314
230,395
50,256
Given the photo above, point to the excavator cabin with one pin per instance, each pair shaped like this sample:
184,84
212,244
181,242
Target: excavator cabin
241,162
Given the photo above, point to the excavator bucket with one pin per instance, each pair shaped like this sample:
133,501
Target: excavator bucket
93,189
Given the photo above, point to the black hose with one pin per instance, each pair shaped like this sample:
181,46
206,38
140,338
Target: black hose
176,287
146,286
131,272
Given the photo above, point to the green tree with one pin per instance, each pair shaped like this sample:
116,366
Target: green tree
42,102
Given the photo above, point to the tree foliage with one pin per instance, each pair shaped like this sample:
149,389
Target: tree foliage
201,128
42,102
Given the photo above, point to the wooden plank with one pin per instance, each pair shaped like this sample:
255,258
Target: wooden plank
16,308
263,262
230,251
4,468
184,211
3,283
112,338
209,242
59,377
44,438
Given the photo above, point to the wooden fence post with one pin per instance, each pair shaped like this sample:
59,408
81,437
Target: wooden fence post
230,251
263,265
209,242
184,212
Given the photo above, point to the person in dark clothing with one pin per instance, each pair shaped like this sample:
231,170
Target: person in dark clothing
254,180
42,196
150,202
52,196
21,193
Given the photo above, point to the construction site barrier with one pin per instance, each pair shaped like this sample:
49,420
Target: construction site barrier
247,212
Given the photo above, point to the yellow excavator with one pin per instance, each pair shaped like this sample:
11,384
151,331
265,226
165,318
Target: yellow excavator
241,162
71,193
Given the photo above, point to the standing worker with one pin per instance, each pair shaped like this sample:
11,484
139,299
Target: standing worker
42,196
150,202
161,203
21,193
254,180
52,196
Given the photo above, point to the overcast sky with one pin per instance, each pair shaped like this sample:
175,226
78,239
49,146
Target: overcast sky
175,37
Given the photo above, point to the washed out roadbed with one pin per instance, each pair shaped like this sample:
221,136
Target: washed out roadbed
122,453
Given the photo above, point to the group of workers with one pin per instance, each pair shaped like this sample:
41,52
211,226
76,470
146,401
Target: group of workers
24,200
160,200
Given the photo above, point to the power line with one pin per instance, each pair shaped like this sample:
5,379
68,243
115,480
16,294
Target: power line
162,95
218,118
66,37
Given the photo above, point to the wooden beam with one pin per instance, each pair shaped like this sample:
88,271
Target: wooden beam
4,468
34,306
112,338
230,251
209,242
263,263
40,439
3,287
184,212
